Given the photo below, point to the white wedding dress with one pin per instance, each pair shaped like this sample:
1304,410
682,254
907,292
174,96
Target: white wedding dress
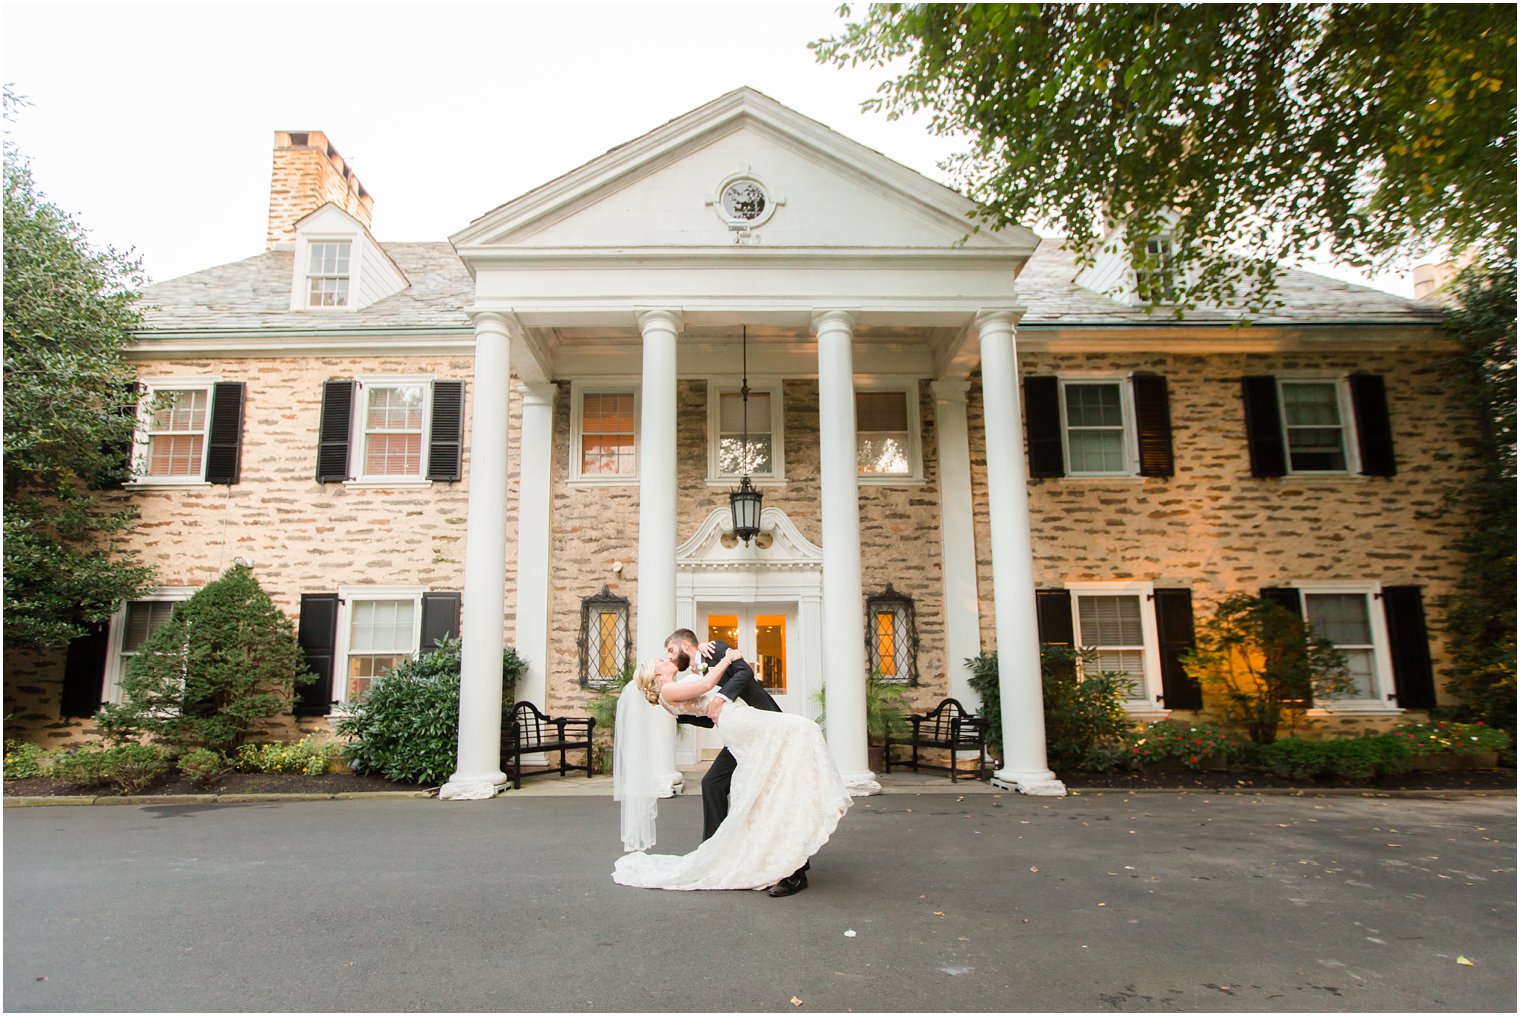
785,801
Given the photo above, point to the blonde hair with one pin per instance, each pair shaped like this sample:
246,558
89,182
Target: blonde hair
647,680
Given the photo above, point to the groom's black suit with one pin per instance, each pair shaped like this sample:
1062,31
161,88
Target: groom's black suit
739,682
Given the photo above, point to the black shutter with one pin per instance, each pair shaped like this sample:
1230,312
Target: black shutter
1374,431
1153,420
318,635
1286,597
1053,614
440,619
1264,426
1042,424
1409,644
117,455
224,446
1174,630
84,673
447,432
333,431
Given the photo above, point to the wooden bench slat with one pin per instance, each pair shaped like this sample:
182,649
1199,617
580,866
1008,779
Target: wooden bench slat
532,731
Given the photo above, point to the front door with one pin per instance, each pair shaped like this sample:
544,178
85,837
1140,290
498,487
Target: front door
766,636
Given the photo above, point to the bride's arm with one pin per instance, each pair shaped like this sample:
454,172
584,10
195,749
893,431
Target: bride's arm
681,691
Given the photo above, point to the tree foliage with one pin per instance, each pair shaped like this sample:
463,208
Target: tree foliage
69,310
225,660
1479,618
1276,130
1263,664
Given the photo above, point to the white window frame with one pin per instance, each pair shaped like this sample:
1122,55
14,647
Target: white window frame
578,392
356,437
300,297
1348,423
347,597
1382,657
114,671
1131,445
1166,267
151,387
915,474
768,386
1148,692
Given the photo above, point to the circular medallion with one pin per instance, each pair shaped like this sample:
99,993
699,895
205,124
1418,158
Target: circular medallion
743,201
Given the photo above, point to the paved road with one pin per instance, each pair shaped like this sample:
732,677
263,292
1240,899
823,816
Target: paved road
1099,902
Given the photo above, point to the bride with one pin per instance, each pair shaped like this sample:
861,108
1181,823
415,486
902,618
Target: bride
785,800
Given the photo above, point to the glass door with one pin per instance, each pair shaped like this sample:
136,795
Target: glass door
764,634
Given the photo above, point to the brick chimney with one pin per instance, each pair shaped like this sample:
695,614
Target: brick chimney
308,173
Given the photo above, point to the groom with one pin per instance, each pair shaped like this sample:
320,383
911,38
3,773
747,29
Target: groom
738,683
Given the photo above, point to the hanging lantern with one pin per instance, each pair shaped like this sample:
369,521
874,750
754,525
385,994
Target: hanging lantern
744,504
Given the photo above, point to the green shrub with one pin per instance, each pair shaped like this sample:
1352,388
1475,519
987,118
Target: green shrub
1084,718
203,766
1446,736
1293,758
305,756
1190,744
1351,759
406,728
127,767
24,760
225,660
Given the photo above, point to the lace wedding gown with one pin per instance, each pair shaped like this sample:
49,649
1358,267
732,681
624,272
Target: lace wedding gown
785,801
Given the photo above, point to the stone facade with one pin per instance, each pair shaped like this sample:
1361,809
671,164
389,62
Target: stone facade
308,172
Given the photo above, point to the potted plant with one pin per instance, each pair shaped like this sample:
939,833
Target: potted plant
886,713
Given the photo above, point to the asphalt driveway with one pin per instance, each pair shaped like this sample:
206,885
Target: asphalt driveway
1159,902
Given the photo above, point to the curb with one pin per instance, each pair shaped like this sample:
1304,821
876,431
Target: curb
162,800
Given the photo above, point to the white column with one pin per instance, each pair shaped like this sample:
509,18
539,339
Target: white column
963,636
477,772
535,476
843,606
657,498
1018,637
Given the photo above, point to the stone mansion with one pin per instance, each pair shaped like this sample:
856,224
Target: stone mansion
528,432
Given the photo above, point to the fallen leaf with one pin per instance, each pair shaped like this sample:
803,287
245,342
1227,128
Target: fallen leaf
1102,904
796,1000
962,938
1395,844
937,913
850,933
1026,920
1034,867
1464,961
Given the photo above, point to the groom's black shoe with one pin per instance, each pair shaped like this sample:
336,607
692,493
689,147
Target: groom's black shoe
788,886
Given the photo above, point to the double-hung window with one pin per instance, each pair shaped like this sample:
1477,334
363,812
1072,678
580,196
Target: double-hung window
131,625
391,428
1098,427
1344,616
174,424
382,627
1315,415
1157,279
728,423
327,273
886,434
1112,619
605,435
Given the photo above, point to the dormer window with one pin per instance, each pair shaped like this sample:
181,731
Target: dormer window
328,274
1157,280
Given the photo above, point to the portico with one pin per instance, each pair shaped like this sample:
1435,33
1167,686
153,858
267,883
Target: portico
639,271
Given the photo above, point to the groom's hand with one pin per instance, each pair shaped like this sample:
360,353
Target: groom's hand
709,649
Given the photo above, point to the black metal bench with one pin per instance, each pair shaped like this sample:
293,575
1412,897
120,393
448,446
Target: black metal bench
948,726
531,732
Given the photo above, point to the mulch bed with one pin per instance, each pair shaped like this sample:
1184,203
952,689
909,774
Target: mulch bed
1251,779
232,783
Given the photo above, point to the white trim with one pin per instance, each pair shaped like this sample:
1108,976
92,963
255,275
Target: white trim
578,391
770,386
1150,684
141,440
1382,657
1349,445
347,596
915,474
356,437
301,296
1130,436
110,690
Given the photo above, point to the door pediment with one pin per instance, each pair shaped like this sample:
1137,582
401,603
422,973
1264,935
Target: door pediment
779,547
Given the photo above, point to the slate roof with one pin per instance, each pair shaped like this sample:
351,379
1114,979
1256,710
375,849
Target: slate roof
255,294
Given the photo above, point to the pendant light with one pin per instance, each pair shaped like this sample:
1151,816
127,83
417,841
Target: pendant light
744,503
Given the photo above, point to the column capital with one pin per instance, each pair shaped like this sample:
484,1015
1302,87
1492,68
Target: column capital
998,317
950,390
834,319
537,393
491,322
661,318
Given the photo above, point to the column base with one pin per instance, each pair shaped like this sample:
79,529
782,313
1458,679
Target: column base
1042,783
861,784
472,787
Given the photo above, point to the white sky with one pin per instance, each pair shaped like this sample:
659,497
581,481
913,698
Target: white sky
154,122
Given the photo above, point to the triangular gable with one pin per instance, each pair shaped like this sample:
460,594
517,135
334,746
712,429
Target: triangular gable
658,191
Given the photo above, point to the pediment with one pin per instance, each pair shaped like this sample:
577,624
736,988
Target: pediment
779,546
662,191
